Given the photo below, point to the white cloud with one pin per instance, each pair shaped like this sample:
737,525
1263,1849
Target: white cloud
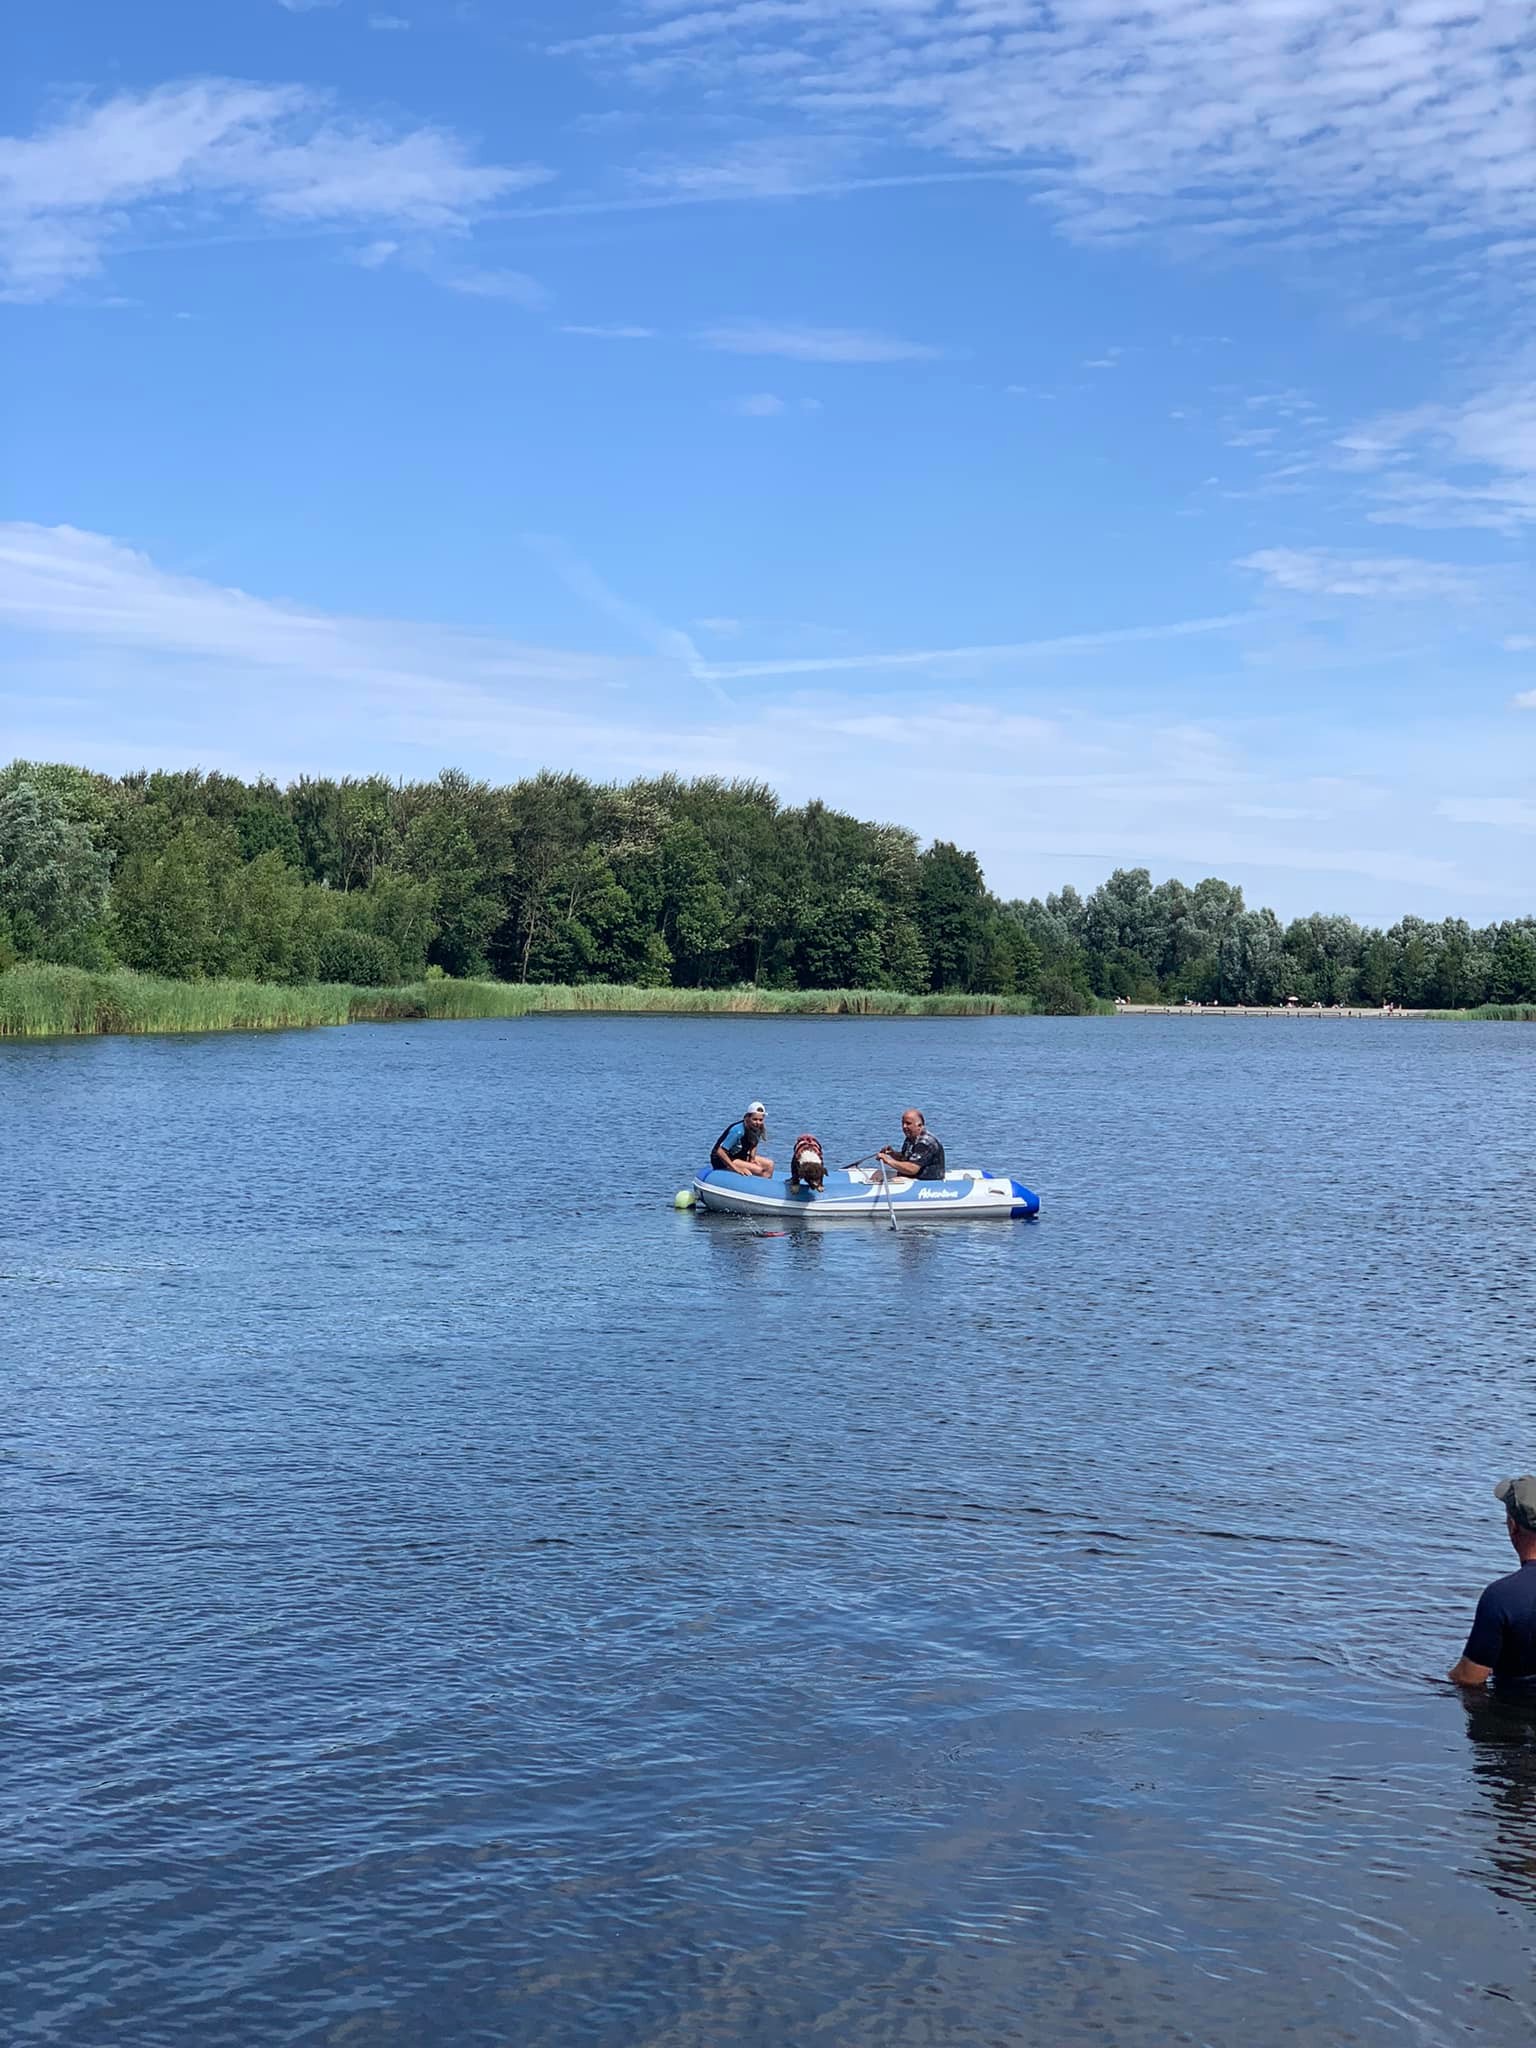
1326,572
804,344
1526,701
1229,116
1518,643
275,154
613,333
388,24
1511,813
307,6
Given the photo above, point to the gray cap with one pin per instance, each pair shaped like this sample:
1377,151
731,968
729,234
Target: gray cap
1519,1498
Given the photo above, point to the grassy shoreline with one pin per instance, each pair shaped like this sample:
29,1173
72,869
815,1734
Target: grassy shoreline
69,1002
59,1002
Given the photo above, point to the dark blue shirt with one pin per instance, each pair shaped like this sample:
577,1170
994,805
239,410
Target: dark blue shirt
928,1154
1504,1630
736,1143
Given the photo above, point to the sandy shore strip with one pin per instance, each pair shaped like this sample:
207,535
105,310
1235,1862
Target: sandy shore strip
1292,1010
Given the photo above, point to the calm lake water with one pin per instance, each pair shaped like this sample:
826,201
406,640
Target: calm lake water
451,1597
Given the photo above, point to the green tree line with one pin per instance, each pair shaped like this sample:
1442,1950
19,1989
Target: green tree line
656,883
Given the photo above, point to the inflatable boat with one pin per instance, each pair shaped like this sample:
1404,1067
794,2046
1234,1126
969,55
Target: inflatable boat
958,1198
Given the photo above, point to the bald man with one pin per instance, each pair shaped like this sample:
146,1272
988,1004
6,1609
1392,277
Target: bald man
921,1156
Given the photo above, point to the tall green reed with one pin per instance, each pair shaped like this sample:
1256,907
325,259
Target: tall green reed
42,1001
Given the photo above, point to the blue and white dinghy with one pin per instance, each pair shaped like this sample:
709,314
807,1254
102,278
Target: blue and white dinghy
959,1197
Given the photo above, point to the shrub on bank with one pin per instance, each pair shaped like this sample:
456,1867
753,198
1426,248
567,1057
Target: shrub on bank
1492,1013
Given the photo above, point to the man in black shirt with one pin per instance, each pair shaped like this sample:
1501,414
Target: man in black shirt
921,1156
1502,1645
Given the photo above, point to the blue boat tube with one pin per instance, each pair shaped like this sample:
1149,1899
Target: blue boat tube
961,1197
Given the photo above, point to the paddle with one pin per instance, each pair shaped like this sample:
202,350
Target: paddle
885,1182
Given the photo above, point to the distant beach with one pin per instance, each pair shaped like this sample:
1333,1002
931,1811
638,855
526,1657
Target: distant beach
1511,1013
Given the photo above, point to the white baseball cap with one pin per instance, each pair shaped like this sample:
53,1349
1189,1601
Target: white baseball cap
756,1109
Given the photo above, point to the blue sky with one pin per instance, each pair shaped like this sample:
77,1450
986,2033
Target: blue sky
1101,434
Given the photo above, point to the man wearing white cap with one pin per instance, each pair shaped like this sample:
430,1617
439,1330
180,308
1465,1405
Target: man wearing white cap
1502,1645
736,1148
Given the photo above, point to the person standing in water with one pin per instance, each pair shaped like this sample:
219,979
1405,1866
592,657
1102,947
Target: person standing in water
735,1149
921,1156
1502,1645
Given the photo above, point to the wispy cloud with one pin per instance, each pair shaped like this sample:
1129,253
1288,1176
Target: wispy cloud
62,580
612,333
1007,651
515,287
800,343
1041,786
280,155
670,643
510,287
780,166
714,186
388,24
1469,464
1326,572
1508,813
767,405
1245,119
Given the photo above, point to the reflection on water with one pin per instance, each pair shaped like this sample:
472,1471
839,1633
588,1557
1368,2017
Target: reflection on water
1502,1732
441,1608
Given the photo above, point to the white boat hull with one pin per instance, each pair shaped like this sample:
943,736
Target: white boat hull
856,1197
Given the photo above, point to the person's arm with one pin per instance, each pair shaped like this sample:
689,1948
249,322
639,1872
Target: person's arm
1475,1664
1465,1672
909,1169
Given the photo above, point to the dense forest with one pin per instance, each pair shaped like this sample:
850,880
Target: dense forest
658,884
